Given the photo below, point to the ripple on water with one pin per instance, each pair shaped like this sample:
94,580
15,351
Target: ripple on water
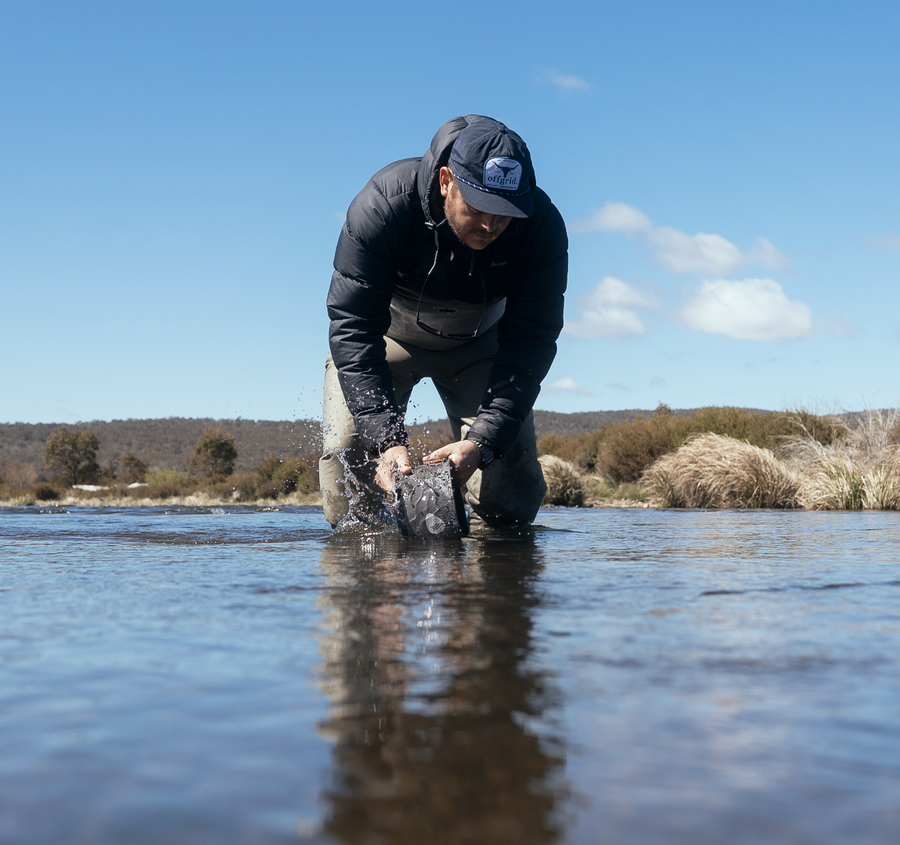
638,676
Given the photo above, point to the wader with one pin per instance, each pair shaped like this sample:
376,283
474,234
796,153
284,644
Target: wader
509,491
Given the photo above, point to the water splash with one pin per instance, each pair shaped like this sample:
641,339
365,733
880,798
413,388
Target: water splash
369,511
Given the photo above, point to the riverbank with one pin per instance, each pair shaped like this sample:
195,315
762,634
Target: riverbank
200,499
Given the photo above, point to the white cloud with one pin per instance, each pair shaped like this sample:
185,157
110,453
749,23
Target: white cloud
566,384
752,309
703,254
694,255
608,311
615,217
569,82
563,81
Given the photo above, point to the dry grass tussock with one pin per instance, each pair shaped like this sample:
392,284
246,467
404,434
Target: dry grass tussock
859,470
568,486
715,471
565,484
200,498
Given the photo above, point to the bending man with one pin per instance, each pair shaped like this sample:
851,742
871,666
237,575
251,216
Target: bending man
451,267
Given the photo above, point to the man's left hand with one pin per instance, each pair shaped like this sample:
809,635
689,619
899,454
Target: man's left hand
464,457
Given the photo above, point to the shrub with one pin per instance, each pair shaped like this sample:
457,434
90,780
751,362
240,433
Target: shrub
166,483
714,471
46,493
19,477
628,448
560,446
583,449
109,471
133,468
763,429
589,445
565,485
622,451
241,486
277,476
602,491
72,454
214,453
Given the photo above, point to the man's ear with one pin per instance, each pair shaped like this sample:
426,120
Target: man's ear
445,177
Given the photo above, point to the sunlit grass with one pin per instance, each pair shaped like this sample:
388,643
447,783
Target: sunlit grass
715,471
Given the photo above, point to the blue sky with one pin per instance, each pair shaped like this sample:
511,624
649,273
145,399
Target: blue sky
174,176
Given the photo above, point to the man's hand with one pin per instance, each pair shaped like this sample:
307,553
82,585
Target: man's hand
464,457
395,459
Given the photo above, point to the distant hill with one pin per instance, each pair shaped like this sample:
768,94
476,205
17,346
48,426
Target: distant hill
167,443
550,422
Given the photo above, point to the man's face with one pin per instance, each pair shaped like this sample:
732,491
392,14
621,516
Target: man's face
475,229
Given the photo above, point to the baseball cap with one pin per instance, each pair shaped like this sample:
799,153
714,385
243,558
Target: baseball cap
493,169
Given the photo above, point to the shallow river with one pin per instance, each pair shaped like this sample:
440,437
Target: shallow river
636,676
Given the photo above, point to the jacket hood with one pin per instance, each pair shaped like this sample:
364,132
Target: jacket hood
437,156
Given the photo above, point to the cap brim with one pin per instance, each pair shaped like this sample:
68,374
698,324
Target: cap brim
491,203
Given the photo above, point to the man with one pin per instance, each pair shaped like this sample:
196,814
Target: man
450,267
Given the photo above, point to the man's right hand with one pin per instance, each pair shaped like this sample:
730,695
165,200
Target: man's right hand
395,459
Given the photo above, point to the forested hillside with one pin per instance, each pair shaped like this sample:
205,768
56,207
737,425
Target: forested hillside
166,443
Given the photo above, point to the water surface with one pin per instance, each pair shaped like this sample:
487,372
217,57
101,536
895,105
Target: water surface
637,676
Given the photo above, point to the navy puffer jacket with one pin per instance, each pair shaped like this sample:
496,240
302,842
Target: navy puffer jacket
394,235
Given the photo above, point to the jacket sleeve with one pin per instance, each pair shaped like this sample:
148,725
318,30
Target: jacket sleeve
365,273
527,336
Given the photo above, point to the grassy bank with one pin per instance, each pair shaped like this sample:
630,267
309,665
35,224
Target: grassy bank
275,479
712,458
726,457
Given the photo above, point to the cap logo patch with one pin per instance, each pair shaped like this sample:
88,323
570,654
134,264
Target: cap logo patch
502,174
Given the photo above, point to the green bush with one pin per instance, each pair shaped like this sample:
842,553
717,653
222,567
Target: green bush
214,454
166,483
560,446
762,429
72,454
133,468
621,451
278,476
628,448
46,493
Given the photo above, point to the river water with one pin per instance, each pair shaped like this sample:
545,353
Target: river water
237,675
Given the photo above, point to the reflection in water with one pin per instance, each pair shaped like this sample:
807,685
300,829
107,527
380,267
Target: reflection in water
440,722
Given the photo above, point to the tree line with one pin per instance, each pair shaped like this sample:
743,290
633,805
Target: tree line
71,455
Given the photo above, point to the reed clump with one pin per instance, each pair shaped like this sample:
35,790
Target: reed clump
849,462
716,471
565,484
620,452
858,470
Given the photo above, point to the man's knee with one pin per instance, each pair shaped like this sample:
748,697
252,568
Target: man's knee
332,487
510,489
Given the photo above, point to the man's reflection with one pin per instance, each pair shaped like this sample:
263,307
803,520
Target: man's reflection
438,716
